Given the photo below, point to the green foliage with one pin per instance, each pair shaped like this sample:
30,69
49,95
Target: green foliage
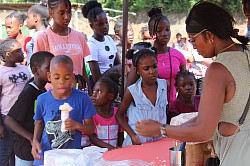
145,5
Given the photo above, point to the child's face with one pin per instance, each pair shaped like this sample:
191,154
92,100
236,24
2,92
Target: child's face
163,32
43,70
148,69
32,17
186,86
101,25
101,95
13,27
61,76
61,15
16,54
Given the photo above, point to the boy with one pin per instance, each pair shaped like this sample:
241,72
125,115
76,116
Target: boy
20,116
47,114
13,78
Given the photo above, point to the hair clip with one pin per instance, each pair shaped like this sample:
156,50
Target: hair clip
150,48
136,51
154,37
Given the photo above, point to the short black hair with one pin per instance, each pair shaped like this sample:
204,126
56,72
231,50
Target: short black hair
62,59
38,58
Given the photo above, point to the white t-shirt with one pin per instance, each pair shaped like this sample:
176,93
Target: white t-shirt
12,80
102,52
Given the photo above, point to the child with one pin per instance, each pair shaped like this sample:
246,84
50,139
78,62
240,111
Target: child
20,116
108,133
146,99
14,23
187,101
60,39
103,53
38,19
47,115
13,78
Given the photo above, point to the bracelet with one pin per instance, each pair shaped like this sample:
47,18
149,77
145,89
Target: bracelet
163,131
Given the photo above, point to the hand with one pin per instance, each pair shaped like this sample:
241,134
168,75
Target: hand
70,124
148,128
36,148
135,140
2,132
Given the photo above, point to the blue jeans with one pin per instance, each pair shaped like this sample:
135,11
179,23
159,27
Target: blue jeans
7,156
21,162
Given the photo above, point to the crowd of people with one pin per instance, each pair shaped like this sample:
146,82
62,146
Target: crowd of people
208,74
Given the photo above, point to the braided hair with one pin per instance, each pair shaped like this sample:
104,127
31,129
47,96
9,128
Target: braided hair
91,9
52,4
156,16
6,46
182,74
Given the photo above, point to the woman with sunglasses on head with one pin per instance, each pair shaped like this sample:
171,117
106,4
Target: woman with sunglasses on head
104,57
225,92
60,39
170,60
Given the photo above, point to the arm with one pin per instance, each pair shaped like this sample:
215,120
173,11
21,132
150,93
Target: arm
209,109
17,128
36,148
2,130
120,139
85,77
132,76
120,117
86,128
95,70
96,141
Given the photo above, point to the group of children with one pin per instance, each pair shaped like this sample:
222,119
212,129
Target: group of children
34,116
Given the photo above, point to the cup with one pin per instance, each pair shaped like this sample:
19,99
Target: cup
177,157
64,116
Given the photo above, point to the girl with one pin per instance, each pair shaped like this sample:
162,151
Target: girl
61,39
146,99
108,133
185,85
104,57
38,19
170,61
14,23
13,78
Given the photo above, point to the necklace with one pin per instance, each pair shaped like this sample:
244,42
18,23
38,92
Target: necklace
227,47
65,38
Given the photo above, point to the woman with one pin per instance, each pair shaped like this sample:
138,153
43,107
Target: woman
104,57
226,88
170,61
61,39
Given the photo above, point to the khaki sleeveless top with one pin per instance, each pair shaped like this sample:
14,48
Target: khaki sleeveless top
237,64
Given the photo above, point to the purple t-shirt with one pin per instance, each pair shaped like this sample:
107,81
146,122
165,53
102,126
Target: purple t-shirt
177,59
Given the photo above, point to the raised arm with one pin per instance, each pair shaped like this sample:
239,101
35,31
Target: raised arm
120,117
